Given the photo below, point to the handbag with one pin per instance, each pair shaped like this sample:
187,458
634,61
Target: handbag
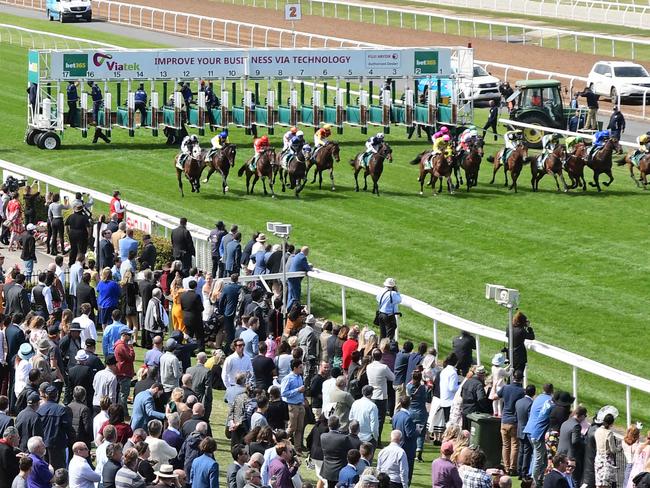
376,320
310,419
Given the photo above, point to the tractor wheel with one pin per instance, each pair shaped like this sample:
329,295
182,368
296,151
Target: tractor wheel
30,137
49,141
533,137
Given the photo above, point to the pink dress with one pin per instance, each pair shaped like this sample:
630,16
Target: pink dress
14,214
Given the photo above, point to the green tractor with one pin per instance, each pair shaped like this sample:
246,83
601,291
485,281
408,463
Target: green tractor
539,102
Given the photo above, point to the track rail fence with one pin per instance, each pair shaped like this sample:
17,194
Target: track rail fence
438,317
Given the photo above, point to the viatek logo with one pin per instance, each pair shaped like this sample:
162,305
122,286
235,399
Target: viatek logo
99,58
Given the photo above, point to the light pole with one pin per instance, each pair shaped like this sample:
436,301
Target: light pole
282,231
509,298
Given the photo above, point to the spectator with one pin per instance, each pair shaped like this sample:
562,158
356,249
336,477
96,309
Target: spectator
106,257
56,425
198,416
143,407
297,264
316,387
343,401
572,442
105,383
474,475
350,345
172,434
463,346
378,377
284,466
127,476
79,228
416,390
592,104
240,458
606,449
522,409
444,473
335,446
250,337
521,330
535,428
387,308
365,412
40,475
473,396
183,245
292,390
189,451
202,382
349,476
310,345
400,368
161,452
511,394
9,452
233,255
113,464
125,357
116,418
25,465
28,253
192,306
28,422
171,369
559,413
80,472
556,479
112,333
393,462
263,369
228,308
205,470
109,435
237,362
403,422
81,419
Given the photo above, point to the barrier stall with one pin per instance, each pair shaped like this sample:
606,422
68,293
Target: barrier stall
115,70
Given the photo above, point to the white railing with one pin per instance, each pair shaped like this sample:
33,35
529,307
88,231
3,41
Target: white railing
437,316
37,39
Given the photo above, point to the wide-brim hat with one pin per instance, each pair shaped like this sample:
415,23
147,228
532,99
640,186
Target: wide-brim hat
389,282
30,227
26,351
564,399
498,359
44,345
310,320
81,356
75,326
166,471
261,238
600,416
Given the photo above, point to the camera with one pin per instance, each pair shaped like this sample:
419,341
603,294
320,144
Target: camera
13,184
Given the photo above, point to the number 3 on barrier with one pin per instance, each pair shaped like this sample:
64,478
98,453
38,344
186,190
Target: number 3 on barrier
292,11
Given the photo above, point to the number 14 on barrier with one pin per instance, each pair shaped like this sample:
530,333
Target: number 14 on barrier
292,12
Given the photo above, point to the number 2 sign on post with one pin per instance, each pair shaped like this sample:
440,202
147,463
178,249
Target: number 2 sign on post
292,12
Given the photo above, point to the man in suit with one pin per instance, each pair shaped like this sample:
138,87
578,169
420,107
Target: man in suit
144,409
522,409
86,294
403,422
202,382
298,263
240,457
106,250
192,306
343,400
17,298
9,456
572,442
149,253
556,479
233,255
80,375
15,337
228,307
335,447
182,245
145,289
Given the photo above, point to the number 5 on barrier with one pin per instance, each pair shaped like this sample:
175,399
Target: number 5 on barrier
292,11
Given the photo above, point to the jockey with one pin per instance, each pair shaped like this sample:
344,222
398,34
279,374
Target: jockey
220,140
511,140
465,137
297,142
443,130
548,143
442,145
288,136
320,138
187,146
372,145
600,137
260,145
644,143
306,151
571,142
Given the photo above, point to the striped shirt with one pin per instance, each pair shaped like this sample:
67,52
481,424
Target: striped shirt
126,478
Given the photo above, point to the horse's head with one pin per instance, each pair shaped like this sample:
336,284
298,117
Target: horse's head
335,150
230,153
476,145
385,151
580,150
559,151
196,152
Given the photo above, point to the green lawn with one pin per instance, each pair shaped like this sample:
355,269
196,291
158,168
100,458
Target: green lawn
578,260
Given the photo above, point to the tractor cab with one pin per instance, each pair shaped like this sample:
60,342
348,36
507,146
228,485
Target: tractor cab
538,102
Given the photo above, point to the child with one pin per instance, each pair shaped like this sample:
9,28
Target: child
499,375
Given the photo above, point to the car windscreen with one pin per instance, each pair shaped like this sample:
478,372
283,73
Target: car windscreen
630,72
480,71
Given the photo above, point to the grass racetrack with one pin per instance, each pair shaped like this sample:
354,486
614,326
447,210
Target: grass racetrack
579,260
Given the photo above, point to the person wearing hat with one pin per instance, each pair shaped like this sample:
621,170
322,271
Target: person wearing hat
148,254
257,244
28,422
80,374
310,345
56,425
499,374
93,360
171,369
387,308
125,357
165,477
298,263
79,228
24,366
70,344
28,253
473,395
444,473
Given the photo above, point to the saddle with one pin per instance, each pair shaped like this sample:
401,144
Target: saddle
428,164
284,160
637,157
506,154
365,159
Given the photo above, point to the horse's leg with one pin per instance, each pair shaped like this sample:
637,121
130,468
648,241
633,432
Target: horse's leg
533,177
356,179
495,167
450,189
505,173
596,183
271,185
207,177
611,177
365,181
421,180
263,179
179,175
224,183
564,185
433,182
248,179
636,182
320,179
375,186
332,177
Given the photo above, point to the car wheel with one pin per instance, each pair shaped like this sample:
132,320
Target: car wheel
61,18
30,137
613,94
49,15
49,141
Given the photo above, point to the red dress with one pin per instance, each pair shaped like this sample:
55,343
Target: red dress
14,215
348,348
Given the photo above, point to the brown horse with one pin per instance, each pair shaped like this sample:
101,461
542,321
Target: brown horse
374,168
439,168
470,160
222,160
192,167
516,160
575,164
601,162
643,167
324,159
263,170
296,172
552,166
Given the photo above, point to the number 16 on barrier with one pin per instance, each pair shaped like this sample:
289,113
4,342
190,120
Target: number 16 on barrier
292,12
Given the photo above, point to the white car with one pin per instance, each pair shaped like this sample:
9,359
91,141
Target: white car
484,86
619,78
64,10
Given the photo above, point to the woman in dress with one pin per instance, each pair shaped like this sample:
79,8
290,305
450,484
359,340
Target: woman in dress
640,460
176,290
499,375
22,367
604,464
630,447
417,390
14,220
129,292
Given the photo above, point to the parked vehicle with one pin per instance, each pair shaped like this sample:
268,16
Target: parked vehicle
64,10
483,87
619,78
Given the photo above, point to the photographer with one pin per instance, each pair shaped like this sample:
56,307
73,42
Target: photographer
521,330
387,302
87,206
30,201
284,466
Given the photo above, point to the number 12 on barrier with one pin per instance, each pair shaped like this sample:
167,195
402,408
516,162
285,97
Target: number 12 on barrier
292,11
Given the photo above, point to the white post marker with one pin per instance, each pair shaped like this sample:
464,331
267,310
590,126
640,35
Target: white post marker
292,13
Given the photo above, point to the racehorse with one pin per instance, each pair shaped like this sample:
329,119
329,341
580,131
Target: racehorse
601,162
324,159
455,167
439,168
552,166
374,168
575,164
296,171
193,167
470,160
643,167
222,160
516,160
263,170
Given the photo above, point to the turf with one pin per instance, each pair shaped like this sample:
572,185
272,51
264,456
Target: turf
577,259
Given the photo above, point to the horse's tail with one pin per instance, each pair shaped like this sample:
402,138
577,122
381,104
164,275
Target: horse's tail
417,159
353,161
242,170
622,162
490,159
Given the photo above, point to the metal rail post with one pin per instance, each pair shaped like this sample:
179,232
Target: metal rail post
344,317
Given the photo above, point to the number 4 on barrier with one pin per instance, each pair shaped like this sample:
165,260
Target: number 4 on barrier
292,11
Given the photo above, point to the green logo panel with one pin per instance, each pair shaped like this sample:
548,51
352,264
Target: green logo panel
75,64
426,62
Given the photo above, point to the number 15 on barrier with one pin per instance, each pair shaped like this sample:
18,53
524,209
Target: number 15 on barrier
292,11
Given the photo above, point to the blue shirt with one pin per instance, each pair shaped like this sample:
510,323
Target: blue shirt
127,244
111,335
348,476
108,294
251,342
388,300
140,96
144,410
535,410
289,389
73,95
40,475
152,357
204,472
510,394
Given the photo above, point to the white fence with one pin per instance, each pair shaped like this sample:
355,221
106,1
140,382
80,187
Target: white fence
437,316
36,39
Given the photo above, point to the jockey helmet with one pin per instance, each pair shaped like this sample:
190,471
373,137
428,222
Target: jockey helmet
380,135
446,138
193,138
471,128
293,130
578,139
223,134
643,139
444,129
327,127
556,137
264,138
306,148
300,133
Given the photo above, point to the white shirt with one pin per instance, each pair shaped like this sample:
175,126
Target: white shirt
448,385
99,419
88,329
171,371
60,274
76,272
234,365
392,461
104,384
378,377
21,376
100,456
269,455
81,474
160,451
328,387
366,413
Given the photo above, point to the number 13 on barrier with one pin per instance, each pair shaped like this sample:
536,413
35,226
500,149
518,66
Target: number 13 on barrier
292,11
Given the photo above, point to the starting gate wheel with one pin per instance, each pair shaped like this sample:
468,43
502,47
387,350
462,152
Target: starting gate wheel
30,137
49,141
